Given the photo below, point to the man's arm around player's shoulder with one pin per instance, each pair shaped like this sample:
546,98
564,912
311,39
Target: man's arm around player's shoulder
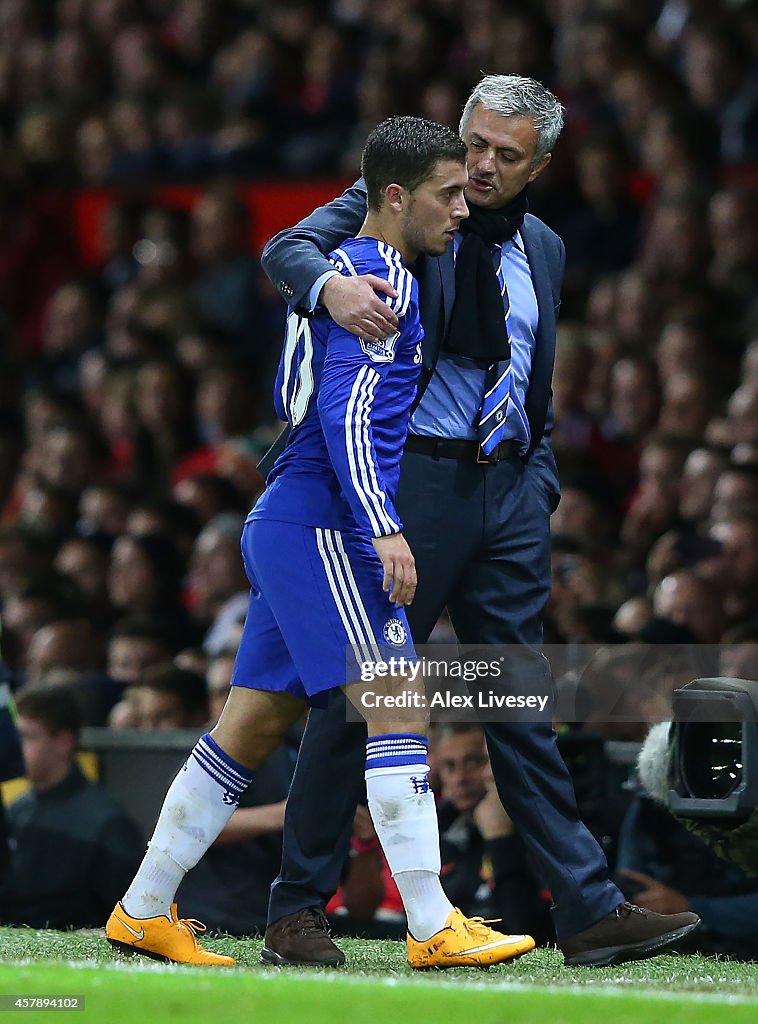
295,261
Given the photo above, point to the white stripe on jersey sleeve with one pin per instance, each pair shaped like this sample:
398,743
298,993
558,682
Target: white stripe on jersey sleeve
347,261
400,279
357,440
404,299
370,464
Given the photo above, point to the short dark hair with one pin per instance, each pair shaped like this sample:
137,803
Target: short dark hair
147,627
405,150
51,705
189,687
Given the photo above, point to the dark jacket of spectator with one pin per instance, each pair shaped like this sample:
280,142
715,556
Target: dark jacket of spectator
73,854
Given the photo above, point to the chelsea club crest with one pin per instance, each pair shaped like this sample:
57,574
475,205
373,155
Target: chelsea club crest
395,632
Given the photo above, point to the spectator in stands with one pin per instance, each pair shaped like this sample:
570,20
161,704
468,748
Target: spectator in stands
740,425
220,589
735,492
68,649
664,867
223,405
167,697
654,505
683,345
634,400
733,232
736,569
207,495
151,517
690,602
603,231
20,560
738,657
689,403
226,287
721,82
145,578
73,848
46,511
702,468
30,608
585,515
94,151
632,616
135,153
165,426
71,654
136,644
103,510
84,561
72,458
71,327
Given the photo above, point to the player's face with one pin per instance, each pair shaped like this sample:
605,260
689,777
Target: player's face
500,156
435,210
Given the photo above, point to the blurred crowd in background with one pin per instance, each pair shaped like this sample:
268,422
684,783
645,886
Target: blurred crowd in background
135,396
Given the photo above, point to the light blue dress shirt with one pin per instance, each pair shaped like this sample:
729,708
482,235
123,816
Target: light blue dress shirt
453,398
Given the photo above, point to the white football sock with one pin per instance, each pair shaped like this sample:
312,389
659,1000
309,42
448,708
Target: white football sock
197,808
405,818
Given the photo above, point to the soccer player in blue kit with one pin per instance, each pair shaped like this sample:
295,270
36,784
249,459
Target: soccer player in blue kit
330,573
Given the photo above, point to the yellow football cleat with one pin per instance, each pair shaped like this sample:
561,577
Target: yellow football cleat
466,942
160,938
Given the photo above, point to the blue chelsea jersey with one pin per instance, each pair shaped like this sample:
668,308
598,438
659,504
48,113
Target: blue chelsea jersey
348,403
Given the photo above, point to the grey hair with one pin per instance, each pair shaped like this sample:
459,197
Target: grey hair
517,96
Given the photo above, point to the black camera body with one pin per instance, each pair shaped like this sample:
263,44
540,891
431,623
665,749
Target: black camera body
713,770
712,774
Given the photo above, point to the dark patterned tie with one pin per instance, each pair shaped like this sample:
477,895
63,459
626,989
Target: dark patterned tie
492,417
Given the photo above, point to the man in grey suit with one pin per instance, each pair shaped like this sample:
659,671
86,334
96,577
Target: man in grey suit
477,488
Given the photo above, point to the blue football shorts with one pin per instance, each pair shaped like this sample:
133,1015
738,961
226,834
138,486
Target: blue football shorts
317,610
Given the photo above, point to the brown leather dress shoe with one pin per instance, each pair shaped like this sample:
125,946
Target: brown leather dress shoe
627,933
302,940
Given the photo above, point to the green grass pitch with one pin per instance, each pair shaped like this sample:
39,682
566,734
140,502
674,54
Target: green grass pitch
377,987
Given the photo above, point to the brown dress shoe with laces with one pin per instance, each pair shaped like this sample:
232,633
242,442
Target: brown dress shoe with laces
627,933
302,940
